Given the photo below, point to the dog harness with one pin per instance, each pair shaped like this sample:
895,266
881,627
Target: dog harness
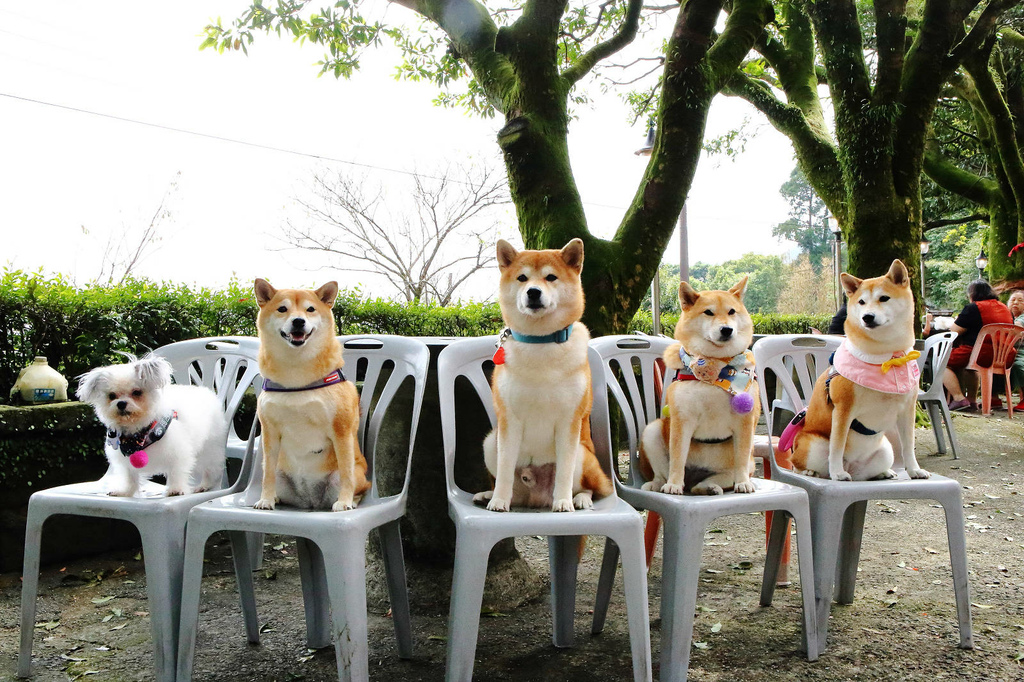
897,374
335,377
732,376
134,446
561,336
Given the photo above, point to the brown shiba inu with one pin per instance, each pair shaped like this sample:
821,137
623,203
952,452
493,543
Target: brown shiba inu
870,389
308,411
541,451
704,445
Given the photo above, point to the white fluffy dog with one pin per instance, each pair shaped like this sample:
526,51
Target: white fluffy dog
156,427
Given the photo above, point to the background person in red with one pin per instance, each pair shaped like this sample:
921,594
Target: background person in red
983,309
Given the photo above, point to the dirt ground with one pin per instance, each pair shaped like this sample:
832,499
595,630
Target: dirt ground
92,622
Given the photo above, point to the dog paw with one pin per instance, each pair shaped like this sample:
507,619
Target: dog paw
841,476
264,504
672,489
583,500
563,505
916,473
482,498
651,485
343,505
498,504
809,472
744,487
176,492
709,489
120,492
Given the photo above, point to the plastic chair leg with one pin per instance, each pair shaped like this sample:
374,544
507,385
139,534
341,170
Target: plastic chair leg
826,525
563,558
344,566
191,583
949,429
163,547
680,575
314,593
805,562
634,582
935,416
241,544
468,576
782,575
254,545
398,591
604,585
986,391
30,585
773,558
849,551
958,562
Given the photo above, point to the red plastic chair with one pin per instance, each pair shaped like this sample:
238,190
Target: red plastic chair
1004,338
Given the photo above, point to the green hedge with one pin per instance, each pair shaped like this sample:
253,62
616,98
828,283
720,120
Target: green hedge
79,328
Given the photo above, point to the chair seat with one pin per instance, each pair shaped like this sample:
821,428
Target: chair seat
767,495
234,512
901,487
91,499
528,521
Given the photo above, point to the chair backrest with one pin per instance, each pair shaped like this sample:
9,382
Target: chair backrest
934,357
228,366
1004,338
636,381
379,365
795,361
469,360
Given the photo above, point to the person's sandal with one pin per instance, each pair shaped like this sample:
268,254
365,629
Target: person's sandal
962,404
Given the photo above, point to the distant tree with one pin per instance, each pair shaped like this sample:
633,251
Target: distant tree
128,247
767,279
668,277
806,224
808,291
426,241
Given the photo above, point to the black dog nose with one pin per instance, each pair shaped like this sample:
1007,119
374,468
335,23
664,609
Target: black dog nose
726,332
869,319
533,293
298,322
121,404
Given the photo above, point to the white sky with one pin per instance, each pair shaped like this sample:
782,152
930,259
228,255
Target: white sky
62,170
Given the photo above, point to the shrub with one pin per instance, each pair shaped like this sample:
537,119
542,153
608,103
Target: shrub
764,323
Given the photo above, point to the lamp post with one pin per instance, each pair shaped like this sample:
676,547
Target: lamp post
837,256
684,255
982,262
924,252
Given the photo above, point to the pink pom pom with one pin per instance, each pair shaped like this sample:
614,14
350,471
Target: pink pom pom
742,403
139,459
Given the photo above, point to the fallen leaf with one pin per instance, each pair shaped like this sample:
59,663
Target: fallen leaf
101,600
717,627
931,551
49,625
118,627
107,617
700,645
437,638
71,658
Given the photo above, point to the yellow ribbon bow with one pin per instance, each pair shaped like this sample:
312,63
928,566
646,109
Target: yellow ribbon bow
900,361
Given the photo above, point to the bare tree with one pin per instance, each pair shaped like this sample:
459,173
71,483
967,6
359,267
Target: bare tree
426,244
126,249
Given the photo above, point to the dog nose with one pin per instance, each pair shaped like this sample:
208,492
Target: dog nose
121,404
726,332
533,293
869,319
298,322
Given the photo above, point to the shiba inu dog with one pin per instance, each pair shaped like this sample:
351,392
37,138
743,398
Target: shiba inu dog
704,444
870,389
308,411
541,451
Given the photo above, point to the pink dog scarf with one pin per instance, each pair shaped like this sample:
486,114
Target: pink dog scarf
896,374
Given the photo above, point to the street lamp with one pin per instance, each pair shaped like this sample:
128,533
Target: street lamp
924,252
981,261
837,255
684,255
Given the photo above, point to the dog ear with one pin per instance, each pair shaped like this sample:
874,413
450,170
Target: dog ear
153,371
898,273
264,292
687,295
572,254
327,293
740,288
506,254
89,385
850,283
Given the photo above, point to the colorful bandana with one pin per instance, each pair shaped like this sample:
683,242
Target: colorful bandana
898,374
731,376
129,445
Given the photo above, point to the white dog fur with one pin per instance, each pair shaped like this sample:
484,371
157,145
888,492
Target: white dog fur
129,397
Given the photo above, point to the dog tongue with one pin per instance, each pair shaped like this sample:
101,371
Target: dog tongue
139,459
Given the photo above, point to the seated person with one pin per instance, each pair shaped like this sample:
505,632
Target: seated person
984,308
1016,306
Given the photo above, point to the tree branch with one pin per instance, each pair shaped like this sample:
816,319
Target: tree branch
891,33
624,36
954,179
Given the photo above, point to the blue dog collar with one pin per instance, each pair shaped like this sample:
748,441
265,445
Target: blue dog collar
561,336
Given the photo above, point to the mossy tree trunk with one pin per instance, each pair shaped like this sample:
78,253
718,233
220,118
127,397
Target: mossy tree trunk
868,171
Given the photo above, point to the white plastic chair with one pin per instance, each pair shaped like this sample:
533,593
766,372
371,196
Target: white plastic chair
230,368
838,507
478,530
628,363
331,545
936,352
